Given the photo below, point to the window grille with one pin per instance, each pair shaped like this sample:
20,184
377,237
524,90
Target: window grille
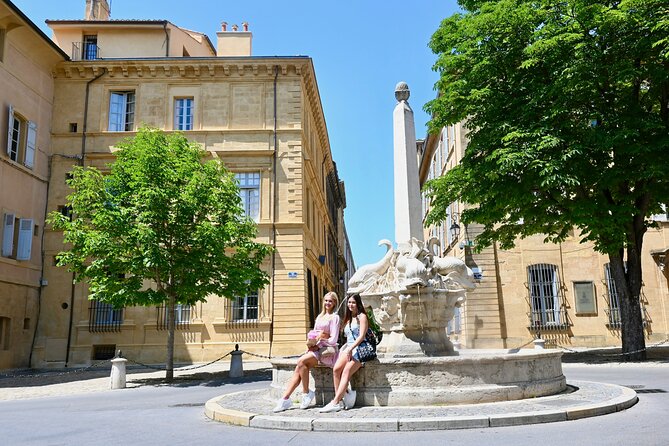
182,316
613,313
103,317
547,311
102,352
91,49
245,308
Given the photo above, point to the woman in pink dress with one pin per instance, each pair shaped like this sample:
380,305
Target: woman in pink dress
323,350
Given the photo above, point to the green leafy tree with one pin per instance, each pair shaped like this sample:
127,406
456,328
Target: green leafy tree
162,217
567,103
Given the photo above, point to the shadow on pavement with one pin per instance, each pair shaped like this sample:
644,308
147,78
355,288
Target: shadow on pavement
658,355
206,379
44,377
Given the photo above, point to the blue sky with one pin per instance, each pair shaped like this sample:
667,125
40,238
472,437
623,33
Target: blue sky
360,49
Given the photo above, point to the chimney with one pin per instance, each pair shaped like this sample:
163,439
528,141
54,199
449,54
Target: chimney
235,42
97,10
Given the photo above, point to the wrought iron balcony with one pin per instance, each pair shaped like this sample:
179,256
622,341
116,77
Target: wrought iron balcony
85,51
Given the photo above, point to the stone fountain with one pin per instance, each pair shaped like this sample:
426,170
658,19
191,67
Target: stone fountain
413,293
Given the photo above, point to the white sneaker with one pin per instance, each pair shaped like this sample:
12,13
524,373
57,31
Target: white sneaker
349,399
282,405
332,407
307,398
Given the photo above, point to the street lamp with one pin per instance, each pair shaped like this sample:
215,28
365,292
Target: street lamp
455,229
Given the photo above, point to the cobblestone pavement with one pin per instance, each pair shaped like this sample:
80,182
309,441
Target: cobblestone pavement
40,383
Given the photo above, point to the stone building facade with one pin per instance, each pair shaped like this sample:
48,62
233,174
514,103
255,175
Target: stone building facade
561,291
261,116
27,58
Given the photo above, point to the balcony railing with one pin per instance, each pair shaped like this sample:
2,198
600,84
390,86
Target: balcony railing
85,51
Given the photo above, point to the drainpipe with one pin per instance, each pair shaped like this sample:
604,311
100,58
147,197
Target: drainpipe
167,40
81,163
274,214
85,126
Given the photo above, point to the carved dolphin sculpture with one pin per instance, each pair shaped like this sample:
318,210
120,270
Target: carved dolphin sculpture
365,272
414,270
455,269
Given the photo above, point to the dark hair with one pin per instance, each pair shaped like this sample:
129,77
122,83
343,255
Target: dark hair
348,315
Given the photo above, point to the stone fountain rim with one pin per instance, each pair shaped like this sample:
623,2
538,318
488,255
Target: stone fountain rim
468,356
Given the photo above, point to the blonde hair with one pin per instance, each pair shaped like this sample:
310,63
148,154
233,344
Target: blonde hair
333,295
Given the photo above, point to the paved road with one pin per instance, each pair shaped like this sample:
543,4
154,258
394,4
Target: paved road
154,414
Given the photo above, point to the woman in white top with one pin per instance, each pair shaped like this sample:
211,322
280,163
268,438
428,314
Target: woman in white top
326,322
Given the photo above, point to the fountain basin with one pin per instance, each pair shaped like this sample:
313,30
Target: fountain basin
475,376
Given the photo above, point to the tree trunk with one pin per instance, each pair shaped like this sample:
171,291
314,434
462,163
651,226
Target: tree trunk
628,284
169,366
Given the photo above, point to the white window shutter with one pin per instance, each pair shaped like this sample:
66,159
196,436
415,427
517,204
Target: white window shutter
10,128
8,235
25,239
31,143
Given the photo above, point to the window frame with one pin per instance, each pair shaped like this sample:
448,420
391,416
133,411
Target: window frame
241,307
247,186
184,113
123,119
89,41
103,317
545,297
17,237
21,138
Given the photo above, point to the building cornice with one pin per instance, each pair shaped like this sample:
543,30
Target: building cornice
312,94
184,68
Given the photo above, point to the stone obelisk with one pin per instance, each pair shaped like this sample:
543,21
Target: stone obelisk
408,209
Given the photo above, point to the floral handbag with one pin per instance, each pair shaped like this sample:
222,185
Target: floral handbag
367,348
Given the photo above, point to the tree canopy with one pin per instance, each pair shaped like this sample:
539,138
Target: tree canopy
163,217
567,106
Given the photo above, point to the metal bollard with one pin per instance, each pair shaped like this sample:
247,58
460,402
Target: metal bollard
236,365
539,344
117,380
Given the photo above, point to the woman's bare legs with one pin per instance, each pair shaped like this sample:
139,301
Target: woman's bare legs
339,367
350,368
341,374
301,373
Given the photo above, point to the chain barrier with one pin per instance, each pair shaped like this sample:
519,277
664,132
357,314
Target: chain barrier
179,369
19,375
611,355
269,357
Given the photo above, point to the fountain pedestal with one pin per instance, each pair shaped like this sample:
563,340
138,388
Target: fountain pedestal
472,377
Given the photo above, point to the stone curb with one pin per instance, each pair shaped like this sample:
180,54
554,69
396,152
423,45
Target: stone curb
216,412
217,409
